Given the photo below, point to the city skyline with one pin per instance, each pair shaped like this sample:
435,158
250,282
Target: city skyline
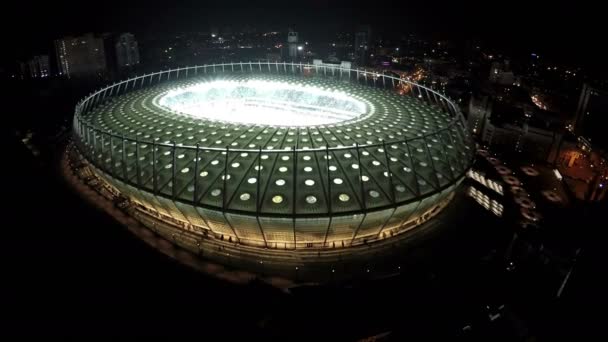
522,26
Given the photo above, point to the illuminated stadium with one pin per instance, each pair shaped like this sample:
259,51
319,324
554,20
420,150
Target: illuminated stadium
274,158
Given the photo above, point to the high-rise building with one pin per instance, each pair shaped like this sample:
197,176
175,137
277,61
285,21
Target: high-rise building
363,40
39,66
21,70
592,115
479,111
80,56
292,42
501,73
127,51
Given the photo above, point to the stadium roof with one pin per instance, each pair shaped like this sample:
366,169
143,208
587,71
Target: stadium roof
358,164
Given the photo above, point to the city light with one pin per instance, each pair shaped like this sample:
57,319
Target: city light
558,175
484,200
488,183
538,102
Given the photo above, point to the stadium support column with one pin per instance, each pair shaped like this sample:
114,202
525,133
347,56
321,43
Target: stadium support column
124,159
329,207
95,97
86,105
389,173
154,177
111,153
112,87
434,98
224,188
94,145
137,167
225,180
173,167
445,152
102,94
102,161
428,97
358,149
413,164
196,158
295,187
258,202
392,192
364,204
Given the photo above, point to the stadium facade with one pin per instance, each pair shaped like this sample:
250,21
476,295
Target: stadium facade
275,156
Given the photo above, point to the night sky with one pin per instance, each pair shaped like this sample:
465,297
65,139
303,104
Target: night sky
569,31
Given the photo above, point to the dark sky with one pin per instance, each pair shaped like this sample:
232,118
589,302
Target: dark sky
568,30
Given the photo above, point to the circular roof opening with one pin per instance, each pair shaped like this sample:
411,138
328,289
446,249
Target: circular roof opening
264,103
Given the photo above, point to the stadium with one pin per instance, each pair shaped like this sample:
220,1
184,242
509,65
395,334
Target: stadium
278,161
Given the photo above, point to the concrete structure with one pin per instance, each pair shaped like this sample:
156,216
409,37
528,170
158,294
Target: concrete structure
39,66
80,56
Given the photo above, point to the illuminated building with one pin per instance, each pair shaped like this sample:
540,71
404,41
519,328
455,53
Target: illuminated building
501,73
332,67
39,66
292,44
363,41
479,111
127,51
80,56
275,158
591,119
